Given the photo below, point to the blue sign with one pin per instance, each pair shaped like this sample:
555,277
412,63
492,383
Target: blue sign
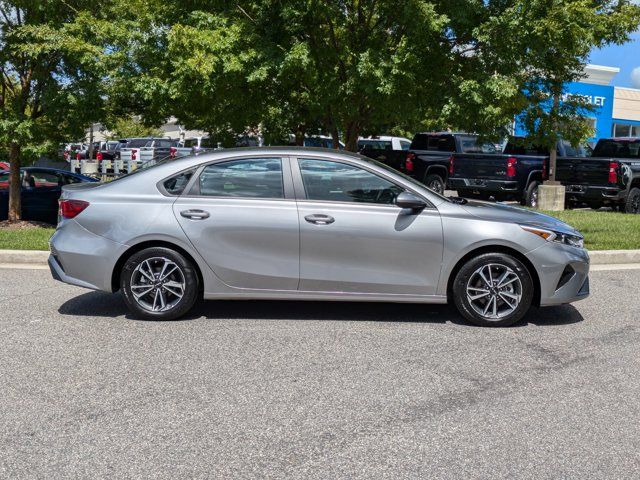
600,97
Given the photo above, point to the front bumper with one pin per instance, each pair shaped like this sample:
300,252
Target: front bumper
563,271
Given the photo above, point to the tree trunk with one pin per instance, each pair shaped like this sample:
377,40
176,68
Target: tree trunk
553,151
15,205
351,137
300,129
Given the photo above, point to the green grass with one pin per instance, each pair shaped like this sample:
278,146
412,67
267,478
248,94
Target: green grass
25,238
604,230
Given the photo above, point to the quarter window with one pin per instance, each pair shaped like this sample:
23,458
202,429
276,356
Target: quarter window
176,184
339,182
249,177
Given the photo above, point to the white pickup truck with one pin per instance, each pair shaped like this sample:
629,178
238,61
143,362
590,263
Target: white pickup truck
139,151
194,146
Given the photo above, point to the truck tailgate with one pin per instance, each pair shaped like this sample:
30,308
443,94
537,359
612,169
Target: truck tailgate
479,165
582,171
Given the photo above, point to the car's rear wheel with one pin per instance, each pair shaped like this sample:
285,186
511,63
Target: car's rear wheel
493,290
633,201
159,284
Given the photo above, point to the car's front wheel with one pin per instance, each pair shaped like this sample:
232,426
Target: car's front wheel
159,284
494,290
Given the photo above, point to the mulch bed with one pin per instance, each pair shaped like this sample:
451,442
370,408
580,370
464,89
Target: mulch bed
23,225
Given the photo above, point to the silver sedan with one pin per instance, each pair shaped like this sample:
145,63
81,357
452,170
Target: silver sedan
308,224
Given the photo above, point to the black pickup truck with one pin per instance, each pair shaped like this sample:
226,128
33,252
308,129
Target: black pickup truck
513,175
610,177
429,156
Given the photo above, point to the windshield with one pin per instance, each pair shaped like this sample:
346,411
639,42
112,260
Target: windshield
409,179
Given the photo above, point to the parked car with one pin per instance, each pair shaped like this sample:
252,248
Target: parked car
429,154
513,174
383,142
139,151
103,150
318,141
193,146
41,189
4,166
308,224
610,177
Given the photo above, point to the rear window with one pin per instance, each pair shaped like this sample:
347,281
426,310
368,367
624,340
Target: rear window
375,144
470,144
617,148
524,149
191,142
439,143
137,143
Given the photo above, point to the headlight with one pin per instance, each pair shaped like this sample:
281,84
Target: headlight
553,236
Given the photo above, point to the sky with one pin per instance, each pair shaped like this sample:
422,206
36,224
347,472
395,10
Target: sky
626,57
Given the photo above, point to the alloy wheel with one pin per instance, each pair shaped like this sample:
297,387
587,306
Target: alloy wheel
157,284
494,291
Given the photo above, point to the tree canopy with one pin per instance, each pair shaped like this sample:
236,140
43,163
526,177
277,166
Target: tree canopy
282,67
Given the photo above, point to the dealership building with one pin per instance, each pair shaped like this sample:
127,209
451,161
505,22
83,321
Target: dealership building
616,109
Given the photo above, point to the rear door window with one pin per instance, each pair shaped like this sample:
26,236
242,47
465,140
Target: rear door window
247,177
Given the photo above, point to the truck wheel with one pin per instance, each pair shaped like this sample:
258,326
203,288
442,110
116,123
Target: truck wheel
435,183
633,201
531,195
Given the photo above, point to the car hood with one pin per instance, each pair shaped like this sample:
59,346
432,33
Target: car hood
505,213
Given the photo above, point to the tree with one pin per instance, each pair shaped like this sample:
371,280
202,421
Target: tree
51,79
130,127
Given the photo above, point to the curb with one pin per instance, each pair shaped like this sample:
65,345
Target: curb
23,257
598,257
614,257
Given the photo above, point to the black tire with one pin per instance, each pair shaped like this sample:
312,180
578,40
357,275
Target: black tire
473,195
435,183
531,195
153,258
506,314
633,201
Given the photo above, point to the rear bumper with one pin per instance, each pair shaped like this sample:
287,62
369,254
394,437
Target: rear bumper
79,257
563,273
484,185
594,194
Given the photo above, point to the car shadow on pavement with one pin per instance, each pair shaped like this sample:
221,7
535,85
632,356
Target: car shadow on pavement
100,304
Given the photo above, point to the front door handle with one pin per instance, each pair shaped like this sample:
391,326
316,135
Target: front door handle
195,214
320,219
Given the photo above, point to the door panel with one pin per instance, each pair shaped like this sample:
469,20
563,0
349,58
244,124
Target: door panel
369,249
353,238
248,242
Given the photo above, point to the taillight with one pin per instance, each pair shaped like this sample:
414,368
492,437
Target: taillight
99,156
451,164
172,152
72,208
511,167
613,172
78,156
133,154
544,169
408,163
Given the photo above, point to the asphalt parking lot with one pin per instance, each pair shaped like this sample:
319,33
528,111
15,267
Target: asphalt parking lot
311,390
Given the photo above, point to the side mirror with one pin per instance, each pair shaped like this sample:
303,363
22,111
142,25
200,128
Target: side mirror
409,200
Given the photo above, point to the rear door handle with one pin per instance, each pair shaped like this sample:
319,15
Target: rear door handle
195,214
320,219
